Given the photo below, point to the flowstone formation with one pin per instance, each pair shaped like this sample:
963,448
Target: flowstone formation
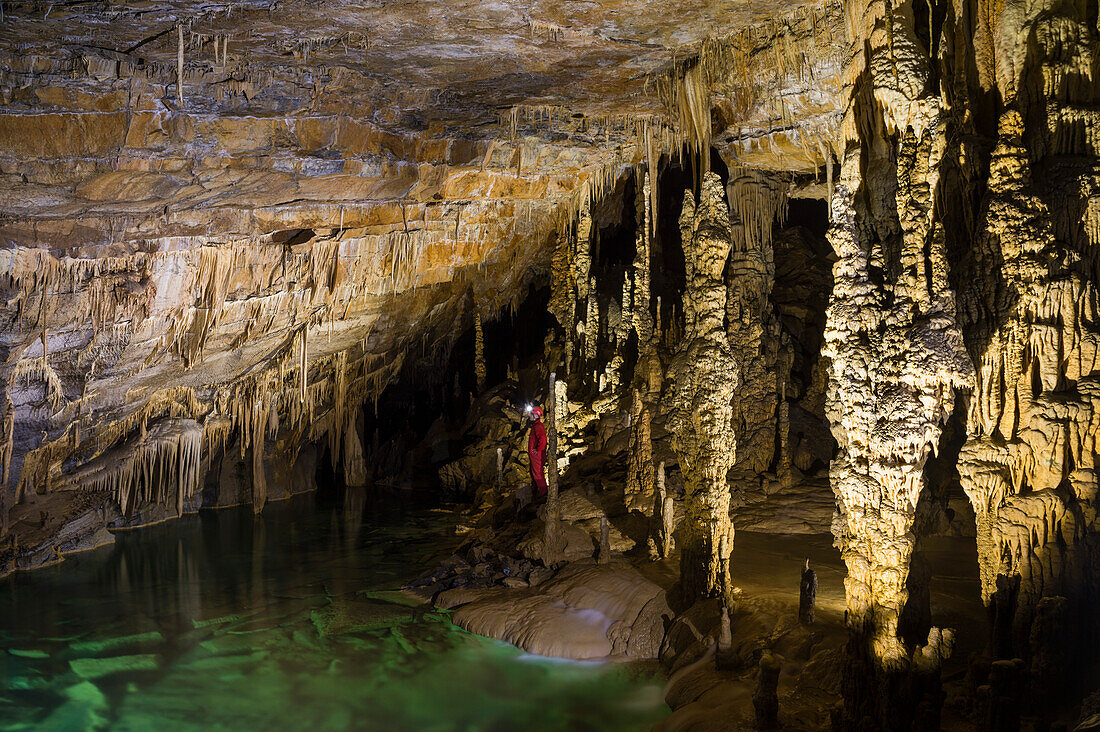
704,375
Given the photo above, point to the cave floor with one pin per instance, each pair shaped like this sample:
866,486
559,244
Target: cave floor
765,570
287,621
768,567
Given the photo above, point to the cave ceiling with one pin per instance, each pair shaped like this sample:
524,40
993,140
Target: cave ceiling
331,187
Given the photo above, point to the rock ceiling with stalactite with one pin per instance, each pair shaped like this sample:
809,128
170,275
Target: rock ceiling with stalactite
238,220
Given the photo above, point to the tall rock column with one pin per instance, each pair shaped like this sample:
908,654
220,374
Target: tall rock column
1029,465
891,335
756,201
703,376
648,371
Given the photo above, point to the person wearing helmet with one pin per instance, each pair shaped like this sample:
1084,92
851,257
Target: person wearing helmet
536,450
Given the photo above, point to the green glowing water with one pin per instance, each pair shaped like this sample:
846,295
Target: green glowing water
290,621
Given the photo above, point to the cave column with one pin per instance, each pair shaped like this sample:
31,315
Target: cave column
553,538
703,376
894,346
1029,463
757,201
648,371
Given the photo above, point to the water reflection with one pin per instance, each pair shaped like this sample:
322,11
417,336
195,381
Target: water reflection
278,622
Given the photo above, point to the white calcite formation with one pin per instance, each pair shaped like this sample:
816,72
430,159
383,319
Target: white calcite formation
892,338
702,378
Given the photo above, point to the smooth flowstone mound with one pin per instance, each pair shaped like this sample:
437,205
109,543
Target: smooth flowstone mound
587,611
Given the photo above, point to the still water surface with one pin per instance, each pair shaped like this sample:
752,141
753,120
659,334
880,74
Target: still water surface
291,621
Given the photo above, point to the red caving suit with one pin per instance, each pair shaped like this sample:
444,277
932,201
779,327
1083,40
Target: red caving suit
536,450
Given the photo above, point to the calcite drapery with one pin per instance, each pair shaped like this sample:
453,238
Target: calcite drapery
703,375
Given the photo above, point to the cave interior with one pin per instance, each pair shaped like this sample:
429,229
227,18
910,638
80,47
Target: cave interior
804,293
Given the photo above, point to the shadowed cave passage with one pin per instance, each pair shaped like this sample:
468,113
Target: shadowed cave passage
806,292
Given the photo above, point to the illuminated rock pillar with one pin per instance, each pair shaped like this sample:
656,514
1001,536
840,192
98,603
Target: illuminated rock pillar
704,376
553,538
895,350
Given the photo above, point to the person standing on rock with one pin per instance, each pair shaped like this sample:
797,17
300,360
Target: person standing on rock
536,450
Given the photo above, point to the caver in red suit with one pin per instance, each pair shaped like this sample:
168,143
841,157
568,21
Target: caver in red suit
536,450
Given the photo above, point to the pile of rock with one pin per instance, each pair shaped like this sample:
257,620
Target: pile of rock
479,567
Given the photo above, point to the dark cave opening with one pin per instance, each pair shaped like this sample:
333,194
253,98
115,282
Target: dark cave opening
405,434
803,283
668,250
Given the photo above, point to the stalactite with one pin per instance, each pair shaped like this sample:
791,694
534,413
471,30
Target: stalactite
8,444
259,476
39,369
303,368
146,467
179,66
355,467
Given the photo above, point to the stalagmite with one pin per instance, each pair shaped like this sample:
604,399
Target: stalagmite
1049,674
807,594
703,376
765,700
603,556
663,521
639,472
1005,689
1003,613
724,657
500,468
